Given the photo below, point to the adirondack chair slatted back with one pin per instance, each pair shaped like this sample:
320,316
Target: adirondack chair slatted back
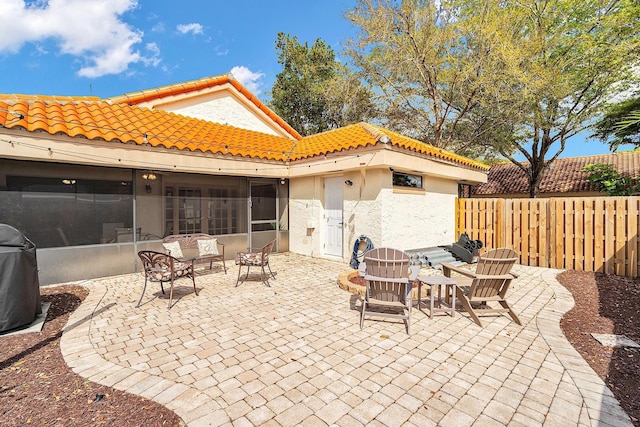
386,274
494,263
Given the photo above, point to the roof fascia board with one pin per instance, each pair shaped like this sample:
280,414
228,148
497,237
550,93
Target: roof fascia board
384,157
62,149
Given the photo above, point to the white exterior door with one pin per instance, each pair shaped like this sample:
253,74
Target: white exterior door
333,216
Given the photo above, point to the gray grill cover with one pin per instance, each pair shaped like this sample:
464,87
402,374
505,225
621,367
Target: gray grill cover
19,285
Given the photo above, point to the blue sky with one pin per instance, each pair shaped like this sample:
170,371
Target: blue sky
111,47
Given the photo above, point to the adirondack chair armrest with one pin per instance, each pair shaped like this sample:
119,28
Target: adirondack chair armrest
386,279
493,276
448,268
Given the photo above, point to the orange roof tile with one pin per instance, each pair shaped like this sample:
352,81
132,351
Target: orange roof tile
149,95
364,135
114,123
13,97
562,176
120,122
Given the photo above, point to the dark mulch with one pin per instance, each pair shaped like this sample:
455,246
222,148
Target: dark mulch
37,388
606,304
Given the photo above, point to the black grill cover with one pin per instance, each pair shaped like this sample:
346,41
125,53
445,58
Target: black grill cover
19,285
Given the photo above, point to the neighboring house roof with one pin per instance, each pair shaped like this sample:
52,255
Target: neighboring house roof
152,97
562,176
120,120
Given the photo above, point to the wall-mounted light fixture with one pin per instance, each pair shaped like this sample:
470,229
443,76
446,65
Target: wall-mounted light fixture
69,181
149,175
283,181
348,182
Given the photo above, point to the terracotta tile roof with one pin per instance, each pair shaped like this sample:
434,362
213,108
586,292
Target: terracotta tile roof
563,176
123,123
130,124
365,135
13,97
184,88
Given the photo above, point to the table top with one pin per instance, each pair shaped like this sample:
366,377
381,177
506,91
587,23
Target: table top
436,280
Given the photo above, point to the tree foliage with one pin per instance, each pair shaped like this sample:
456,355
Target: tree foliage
511,76
314,92
610,181
620,124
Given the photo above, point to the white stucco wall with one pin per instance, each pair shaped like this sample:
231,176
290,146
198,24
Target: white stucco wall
414,221
305,210
226,110
388,217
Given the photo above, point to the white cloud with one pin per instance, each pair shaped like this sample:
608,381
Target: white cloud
158,27
193,28
249,79
219,51
89,29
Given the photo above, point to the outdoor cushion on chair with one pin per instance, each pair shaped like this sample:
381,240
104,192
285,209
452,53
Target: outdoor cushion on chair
256,258
159,267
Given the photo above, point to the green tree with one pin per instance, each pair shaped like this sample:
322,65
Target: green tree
314,92
608,180
512,76
620,124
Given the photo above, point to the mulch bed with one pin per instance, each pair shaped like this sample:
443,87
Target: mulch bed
37,388
606,304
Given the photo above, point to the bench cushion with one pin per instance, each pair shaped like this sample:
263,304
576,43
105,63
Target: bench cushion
174,249
208,247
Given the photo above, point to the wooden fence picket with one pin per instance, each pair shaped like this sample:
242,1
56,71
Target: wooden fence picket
581,233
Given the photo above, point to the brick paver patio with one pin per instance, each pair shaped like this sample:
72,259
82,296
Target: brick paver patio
294,354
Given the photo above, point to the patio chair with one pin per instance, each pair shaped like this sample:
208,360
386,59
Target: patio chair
388,291
159,267
255,257
489,283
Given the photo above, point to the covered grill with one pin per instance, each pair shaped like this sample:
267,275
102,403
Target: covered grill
19,285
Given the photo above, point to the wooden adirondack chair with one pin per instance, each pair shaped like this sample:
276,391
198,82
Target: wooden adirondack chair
489,283
388,287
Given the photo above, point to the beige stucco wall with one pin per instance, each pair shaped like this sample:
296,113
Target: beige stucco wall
413,221
306,215
220,104
395,217
226,110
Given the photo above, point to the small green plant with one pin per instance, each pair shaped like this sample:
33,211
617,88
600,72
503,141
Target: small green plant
608,180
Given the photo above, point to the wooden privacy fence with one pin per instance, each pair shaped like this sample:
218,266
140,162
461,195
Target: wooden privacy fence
574,233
